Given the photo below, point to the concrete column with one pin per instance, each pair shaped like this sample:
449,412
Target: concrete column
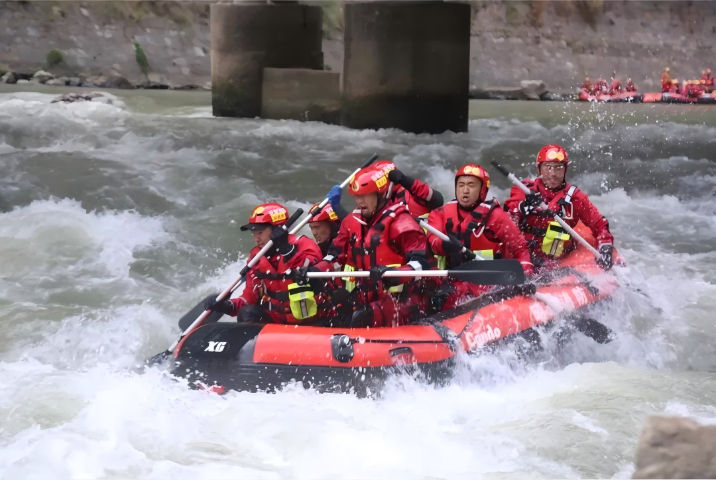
407,66
247,38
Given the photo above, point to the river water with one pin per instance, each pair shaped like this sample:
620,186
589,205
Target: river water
116,219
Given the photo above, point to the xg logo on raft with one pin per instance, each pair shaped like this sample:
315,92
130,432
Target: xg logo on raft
215,347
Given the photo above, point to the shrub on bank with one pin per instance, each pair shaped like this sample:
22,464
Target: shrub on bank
54,57
141,57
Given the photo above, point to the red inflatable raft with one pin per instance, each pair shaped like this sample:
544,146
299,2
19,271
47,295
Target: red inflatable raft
264,357
654,97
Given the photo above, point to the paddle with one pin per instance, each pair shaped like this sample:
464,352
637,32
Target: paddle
598,332
489,272
543,206
201,316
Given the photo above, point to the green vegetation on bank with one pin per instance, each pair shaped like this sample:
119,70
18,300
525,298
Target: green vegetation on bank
141,58
54,57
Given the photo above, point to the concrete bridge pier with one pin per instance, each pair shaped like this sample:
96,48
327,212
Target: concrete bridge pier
245,39
406,66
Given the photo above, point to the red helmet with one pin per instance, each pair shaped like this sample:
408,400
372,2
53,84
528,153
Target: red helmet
326,214
552,153
475,170
266,214
368,180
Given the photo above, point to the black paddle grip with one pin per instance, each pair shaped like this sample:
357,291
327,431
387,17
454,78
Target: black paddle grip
372,159
502,169
292,219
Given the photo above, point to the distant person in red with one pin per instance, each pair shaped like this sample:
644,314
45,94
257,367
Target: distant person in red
616,87
707,80
668,84
587,86
630,87
601,87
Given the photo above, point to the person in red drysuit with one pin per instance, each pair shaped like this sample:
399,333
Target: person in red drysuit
587,86
324,226
265,296
379,236
546,239
707,81
480,225
668,84
616,87
417,196
601,87
630,87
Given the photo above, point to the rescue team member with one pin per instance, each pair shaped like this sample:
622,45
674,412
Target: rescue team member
666,80
324,227
601,87
400,243
269,296
419,197
587,86
630,87
616,87
547,239
478,224
707,80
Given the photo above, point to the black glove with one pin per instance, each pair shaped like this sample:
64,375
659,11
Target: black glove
279,237
530,203
453,245
225,306
376,273
399,178
395,176
606,262
299,275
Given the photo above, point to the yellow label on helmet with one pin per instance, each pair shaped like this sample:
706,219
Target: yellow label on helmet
332,215
381,181
277,217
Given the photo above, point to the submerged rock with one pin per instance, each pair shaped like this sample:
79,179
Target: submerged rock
676,448
100,97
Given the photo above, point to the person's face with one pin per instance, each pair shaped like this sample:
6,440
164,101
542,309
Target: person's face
467,190
552,173
261,237
367,203
321,231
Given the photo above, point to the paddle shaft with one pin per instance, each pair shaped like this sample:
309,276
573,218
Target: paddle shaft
396,273
227,293
445,238
511,176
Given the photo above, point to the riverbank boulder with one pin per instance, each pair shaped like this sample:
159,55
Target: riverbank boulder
528,90
676,448
111,81
9,77
43,76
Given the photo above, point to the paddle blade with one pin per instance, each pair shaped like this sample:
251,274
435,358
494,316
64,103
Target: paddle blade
188,319
159,358
591,328
490,272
